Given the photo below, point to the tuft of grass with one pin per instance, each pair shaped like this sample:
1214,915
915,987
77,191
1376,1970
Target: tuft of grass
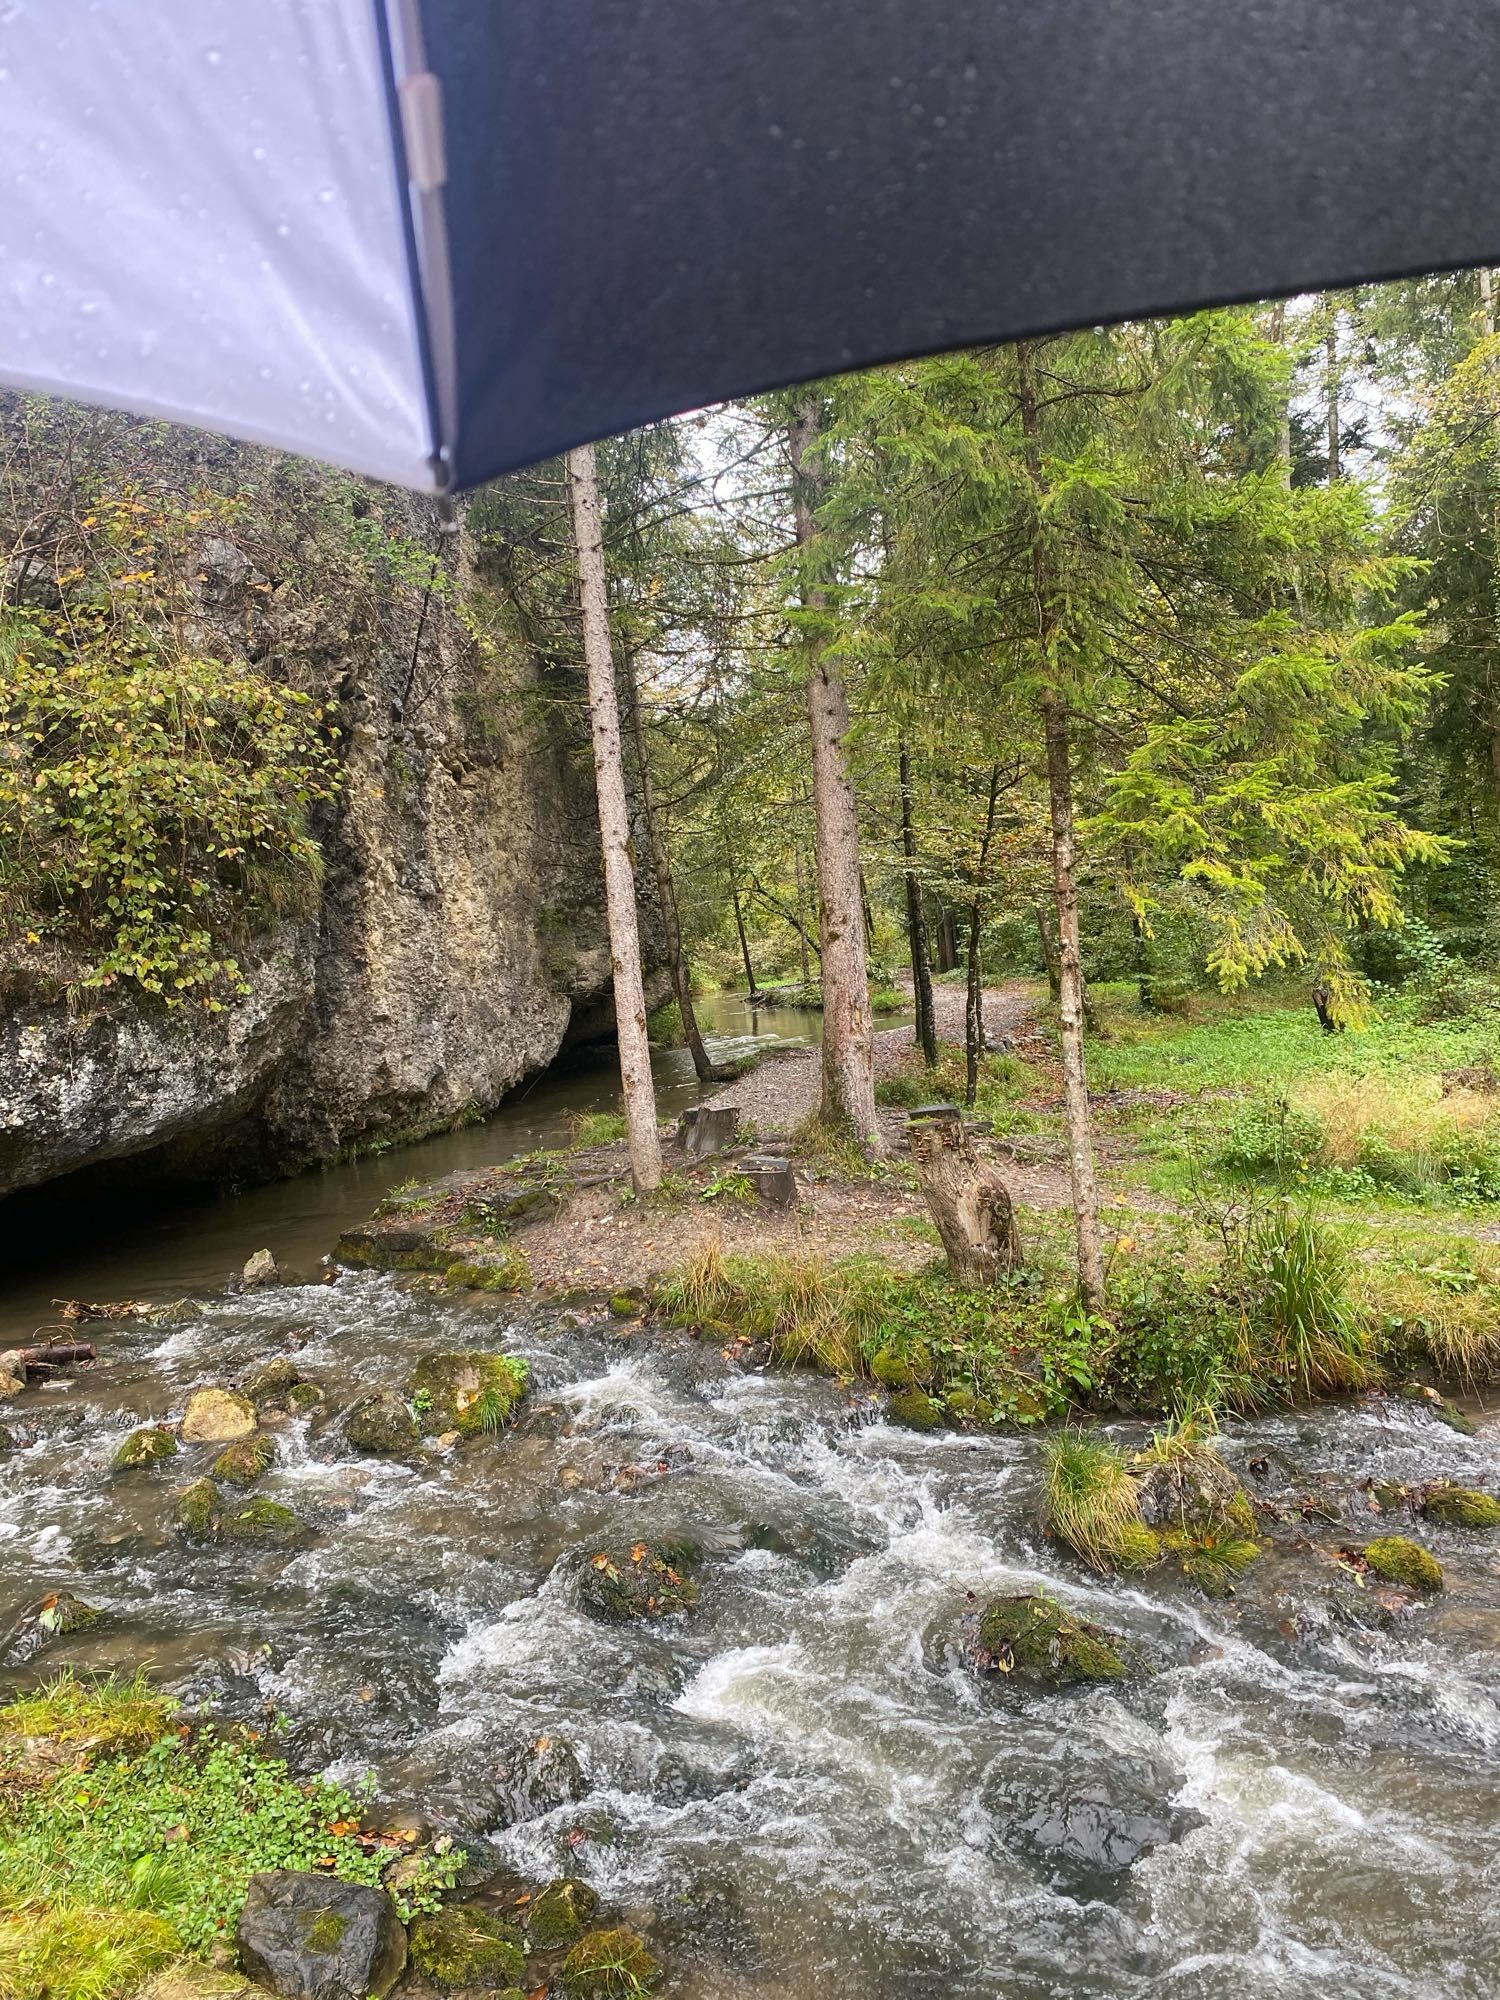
1296,1276
595,1128
110,1717
72,1951
1091,1503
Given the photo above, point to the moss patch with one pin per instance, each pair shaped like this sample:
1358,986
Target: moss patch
243,1463
145,1447
462,1946
561,1912
1406,1562
508,1273
467,1393
1034,1638
382,1423
916,1410
609,1965
266,1522
1461,1507
196,1513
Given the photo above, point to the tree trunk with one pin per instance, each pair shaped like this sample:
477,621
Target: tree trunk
801,924
1284,416
1049,953
848,1053
1331,348
752,991
1076,1114
666,890
614,827
916,921
973,1008
969,1203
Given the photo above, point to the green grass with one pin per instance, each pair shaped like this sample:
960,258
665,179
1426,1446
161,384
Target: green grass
1091,1502
596,1128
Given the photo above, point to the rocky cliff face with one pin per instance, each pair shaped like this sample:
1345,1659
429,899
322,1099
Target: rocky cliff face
459,936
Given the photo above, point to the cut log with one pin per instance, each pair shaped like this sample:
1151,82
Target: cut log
56,1354
966,1198
705,1129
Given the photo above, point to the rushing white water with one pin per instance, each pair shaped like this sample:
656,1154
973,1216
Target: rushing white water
802,1789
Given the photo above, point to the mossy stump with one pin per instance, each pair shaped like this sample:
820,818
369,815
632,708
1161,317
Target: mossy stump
466,1947
609,1965
1399,1560
1035,1639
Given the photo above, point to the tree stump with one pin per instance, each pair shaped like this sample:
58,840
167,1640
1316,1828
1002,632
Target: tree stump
966,1198
705,1129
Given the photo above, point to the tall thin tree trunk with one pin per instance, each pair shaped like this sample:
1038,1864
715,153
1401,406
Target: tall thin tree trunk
1050,956
1076,1114
614,826
1331,350
916,920
1284,416
666,889
801,924
848,1053
751,989
973,1007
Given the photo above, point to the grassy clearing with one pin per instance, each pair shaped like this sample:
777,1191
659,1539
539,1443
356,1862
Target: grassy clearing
135,1843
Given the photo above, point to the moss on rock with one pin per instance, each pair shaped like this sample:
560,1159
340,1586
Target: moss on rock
145,1447
241,1464
507,1273
561,1912
382,1423
609,1965
639,1583
901,1367
218,1416
467,1393
1034,1638
1399,1560
1439,1407
196,1513
916,1410
266,1522
463,1946
1461,1507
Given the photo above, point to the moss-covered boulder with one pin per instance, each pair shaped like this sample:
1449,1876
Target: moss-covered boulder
916,1410
280,1389
217,1416
382,1423
242,1463
467,1393
902,1367
266,1523
1439,1406
58,1615
640,1582
1399,1560
145,1447
609,1965
463,1946
502,1271
1037,1641
197,1513
560,1913
1461,1506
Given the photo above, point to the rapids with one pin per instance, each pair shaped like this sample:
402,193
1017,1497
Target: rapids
801,1789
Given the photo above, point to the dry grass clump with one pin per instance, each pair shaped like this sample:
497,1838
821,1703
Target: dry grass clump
809,1310
1444,1309
1403,1132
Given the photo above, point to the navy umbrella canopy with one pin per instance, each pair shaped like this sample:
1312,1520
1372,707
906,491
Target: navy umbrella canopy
437,239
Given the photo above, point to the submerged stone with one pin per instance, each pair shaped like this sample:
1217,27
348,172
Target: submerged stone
467,1393
609,1965
381,1422
462,1946
145,1447
56,1616
281,1389
316,1938
241,1464
1399,1560
560,1913
640,1582
1461,1507
1085,1818
217,1416
1439,1407
1035,1639
266,1522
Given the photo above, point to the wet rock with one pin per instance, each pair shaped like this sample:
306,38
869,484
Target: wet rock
56,1616
530,1779
1192,1489
310,1937
1035,1640
1085,1817
467,1393
609,1965
281,1389
382,1423
466,1787
916,1410
145,1447
1461,1506
560,1913
242,1463
196,1512
640,1582
267,1524
7,1441
464,1947
1439,1407
12,1375
902,1367
217,1416
260,1269
1401,1561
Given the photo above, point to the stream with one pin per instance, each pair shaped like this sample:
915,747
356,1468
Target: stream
800,1790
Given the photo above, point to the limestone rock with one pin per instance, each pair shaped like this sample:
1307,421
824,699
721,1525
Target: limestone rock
260,1269
56,1616
243,1462
310,1937
382,1423
217,1416
12,1375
